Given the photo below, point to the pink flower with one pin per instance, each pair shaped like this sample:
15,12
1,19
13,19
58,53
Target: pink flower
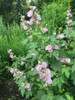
32,69
30,13
45,30
49,81
48,76
68,60
54,33
11,56
39,67
29,22
9,50
24,76
12,70
25,27
21,19
45,85
32,19
37,22
29,89
21,73
22,63
26,33
39,61
68,22
35,14
38,17
61,36
63,44
23,16
67,17
61,59
68,11
33,7
44,65
56,47
49,48
27,85
33,54
69,14
30,36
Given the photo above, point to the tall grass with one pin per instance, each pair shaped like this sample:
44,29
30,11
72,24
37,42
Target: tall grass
54,14
11,37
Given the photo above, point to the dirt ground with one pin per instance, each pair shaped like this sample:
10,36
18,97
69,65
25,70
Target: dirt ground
9,90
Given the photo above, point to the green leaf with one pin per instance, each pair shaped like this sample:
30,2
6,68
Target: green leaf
58,82
73,68
59,98
56,65
43,97
28,94
73,77
66,71
22,91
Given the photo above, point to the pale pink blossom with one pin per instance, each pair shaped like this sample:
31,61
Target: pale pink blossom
21,19
49,48
9,50
68,60
61,36
27,85
33,7
32,19
56,47
37,22
30,13
22,63
39,67
63,44
38,17
25,27
33,54
32,69
68,22
26,33
54,33
30,36
44,64
29,89
12,70
45,30
29,22
11,56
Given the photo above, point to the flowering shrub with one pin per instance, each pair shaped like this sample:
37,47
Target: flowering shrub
48,69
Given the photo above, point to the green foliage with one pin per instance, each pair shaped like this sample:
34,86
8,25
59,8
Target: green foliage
54,14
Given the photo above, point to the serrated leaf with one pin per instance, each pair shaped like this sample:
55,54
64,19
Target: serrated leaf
73,68
22,91
59,98
28,94
66,71
73,77
56,65
58,81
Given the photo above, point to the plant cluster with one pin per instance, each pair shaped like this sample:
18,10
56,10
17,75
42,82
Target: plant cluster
47,71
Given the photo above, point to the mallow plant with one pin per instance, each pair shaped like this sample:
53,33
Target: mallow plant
47,71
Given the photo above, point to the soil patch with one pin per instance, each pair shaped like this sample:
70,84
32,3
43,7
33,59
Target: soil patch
9,90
